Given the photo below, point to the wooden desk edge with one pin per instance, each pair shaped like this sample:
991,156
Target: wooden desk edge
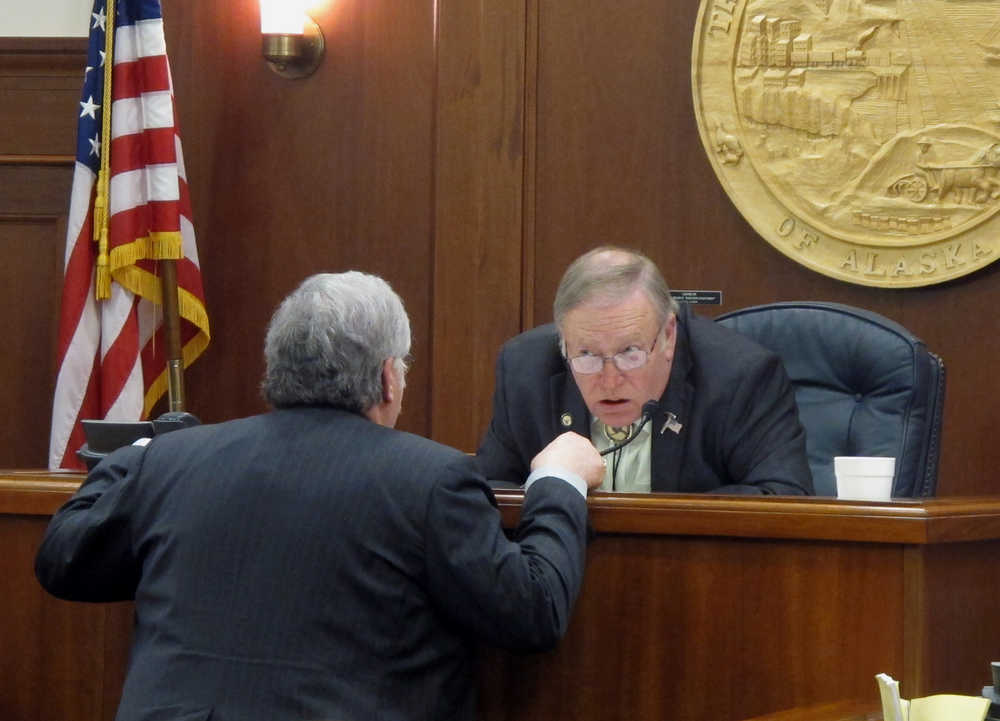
914,521
36,493
911,521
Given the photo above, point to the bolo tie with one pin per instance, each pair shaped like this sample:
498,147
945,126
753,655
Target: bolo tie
617,434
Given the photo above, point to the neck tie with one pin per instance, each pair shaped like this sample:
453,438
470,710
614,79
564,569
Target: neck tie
617,434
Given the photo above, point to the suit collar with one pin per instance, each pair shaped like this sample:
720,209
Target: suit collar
669,437
571,412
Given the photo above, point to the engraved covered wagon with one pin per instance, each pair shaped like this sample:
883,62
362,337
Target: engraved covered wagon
951,171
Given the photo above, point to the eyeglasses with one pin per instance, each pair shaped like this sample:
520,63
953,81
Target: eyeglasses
627,360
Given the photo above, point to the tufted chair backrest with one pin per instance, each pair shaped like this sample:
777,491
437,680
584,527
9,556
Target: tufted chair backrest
864,384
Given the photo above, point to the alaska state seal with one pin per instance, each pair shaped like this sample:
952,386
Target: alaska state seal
859,137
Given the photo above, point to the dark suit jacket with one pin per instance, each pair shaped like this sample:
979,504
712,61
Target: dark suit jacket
740,430
310,564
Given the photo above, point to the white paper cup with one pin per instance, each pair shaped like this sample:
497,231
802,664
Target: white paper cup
864,478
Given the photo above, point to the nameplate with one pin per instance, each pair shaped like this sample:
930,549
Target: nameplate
698,297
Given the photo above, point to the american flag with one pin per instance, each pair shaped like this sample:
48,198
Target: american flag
112,360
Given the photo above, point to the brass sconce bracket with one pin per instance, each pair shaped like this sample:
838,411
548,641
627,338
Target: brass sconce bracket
295,56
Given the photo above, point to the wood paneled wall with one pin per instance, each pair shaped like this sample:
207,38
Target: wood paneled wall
39,89
466,152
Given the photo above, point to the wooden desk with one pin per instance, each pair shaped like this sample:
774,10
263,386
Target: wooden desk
837,711
694,608
58,660
709,608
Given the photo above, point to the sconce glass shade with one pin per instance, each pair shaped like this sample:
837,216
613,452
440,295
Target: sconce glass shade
291,42
282,17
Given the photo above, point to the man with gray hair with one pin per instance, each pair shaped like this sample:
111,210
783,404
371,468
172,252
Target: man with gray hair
677,402
312,562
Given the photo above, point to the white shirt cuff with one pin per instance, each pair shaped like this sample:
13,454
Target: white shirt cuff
554,472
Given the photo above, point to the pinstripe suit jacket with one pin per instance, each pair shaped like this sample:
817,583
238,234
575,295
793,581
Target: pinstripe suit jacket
310,564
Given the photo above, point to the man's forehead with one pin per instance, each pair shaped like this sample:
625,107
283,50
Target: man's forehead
632,317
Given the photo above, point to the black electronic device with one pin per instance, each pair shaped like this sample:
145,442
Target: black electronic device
106,436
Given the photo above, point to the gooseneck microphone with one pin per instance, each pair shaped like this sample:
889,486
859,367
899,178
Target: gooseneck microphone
649,408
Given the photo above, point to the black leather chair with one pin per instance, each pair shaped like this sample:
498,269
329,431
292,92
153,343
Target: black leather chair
865,386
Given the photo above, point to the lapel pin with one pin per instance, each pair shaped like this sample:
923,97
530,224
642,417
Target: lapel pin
566,419
672,423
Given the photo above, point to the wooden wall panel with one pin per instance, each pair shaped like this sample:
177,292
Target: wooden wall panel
467,152
39,90
33,208
289,178
40,81
479,162
30,320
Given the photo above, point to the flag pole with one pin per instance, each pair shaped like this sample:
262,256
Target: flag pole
172,335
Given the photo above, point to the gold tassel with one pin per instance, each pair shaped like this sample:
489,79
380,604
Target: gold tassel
102,281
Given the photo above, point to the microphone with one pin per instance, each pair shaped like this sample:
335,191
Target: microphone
649,409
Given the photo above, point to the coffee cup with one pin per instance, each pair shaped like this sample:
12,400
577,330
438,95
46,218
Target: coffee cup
864,478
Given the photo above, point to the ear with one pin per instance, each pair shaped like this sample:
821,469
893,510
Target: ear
388,381
671,340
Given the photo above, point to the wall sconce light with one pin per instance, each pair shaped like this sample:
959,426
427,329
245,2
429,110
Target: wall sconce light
291,41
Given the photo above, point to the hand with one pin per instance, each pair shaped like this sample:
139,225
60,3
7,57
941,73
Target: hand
575,453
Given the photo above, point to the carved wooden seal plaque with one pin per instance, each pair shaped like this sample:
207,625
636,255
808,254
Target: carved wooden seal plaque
859,137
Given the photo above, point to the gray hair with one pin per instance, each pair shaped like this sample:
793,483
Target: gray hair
611,273
328,339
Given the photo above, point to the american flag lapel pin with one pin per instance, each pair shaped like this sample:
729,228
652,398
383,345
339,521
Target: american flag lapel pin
672,423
